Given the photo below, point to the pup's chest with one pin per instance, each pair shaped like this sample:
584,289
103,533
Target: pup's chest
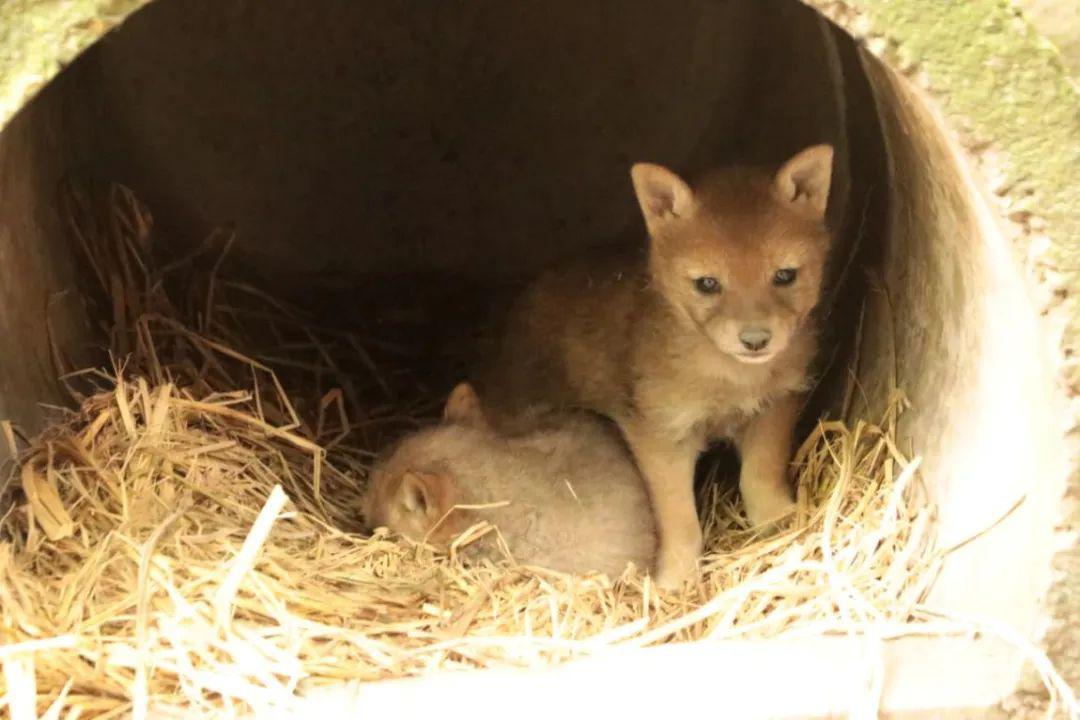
696,405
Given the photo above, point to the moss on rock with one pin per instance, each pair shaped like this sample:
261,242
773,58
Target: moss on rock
39,37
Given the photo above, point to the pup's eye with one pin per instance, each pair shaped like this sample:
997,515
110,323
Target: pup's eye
707,285
784,276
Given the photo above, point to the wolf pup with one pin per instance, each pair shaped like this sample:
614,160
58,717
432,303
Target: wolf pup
575,500
711,335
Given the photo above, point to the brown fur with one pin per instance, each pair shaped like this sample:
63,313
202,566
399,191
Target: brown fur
630,336
576,500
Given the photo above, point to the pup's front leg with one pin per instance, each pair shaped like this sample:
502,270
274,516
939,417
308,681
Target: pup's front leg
765,450
668,470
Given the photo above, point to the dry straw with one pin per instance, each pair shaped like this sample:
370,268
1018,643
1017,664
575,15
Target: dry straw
176,549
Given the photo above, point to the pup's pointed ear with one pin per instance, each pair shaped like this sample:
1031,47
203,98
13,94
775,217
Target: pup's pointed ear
662,195
427,493
463,406
804,180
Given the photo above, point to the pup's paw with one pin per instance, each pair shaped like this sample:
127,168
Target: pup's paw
674,572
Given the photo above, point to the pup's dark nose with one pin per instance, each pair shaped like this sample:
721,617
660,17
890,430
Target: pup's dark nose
755,339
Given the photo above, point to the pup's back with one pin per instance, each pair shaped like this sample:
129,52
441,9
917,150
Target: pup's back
575,499
567,340
582,504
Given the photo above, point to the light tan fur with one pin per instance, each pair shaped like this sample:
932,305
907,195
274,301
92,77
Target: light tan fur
633,336
576,500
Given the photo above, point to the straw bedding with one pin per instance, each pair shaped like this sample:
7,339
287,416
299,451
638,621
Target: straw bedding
188,541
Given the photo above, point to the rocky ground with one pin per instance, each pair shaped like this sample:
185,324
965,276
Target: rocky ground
1059,21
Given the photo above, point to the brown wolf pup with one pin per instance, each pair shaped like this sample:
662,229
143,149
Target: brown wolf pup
575,500
709,336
